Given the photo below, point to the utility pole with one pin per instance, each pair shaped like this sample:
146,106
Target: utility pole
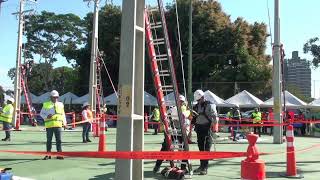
17,80
277,133
130,135
93,64
190,94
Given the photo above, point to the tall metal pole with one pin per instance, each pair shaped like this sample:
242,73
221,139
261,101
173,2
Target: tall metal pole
130,131
93,63
190,56
277,133
17,80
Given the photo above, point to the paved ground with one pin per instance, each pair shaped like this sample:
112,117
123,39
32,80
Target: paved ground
95,169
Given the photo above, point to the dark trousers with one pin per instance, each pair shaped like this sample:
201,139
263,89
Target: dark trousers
57,133
85,131
155,126
6,128
257,130
165,147
204,144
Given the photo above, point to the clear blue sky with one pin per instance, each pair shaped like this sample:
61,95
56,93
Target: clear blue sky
299,22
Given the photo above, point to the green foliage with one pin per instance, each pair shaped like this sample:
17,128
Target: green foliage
49,34
109,43
216,40
312,47
63,79
1,96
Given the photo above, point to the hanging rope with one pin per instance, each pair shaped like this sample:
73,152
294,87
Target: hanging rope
180,50
111,82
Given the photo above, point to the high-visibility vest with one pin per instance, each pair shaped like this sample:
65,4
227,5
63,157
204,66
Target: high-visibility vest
256,117
156,115
229,115
7,114
185,111
57,118
89,115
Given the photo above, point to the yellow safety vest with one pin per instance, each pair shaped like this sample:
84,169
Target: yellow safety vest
229,115
57,118
185,111
256,117
7,114
156,114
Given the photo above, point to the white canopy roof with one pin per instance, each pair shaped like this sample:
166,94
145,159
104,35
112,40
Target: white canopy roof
81,99
42,98
32,96
244,99
315,103
214,99
68,98
149,100
291,101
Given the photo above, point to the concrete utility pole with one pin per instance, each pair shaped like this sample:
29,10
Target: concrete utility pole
131,89
277,110
93,64
190,93
17,80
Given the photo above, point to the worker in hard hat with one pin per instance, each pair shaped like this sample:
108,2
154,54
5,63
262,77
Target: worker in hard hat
6,115
87,118
187,116
205,118
54,119
256,118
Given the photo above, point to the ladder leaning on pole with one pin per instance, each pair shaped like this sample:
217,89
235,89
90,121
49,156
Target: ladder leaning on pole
165,82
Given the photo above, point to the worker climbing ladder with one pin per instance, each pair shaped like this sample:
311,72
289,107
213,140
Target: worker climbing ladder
165,81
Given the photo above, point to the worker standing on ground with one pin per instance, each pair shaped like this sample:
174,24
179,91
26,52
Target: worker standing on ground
6,115
256,118
87,118
187,117
205,118
54,119
155,117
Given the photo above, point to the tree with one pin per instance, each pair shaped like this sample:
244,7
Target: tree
109,43
312,47
1,96
49,35
63,79
216,40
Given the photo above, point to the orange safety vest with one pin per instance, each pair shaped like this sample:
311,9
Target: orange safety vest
89,116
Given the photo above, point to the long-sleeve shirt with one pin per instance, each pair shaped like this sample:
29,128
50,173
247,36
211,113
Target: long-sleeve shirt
45,112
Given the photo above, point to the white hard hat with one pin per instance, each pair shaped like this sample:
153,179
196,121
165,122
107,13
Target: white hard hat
182,98
198,94
85,104
11,99
54,93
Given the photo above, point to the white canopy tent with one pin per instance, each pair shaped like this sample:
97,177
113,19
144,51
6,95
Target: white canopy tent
68,98
314,104
81,99
214,99
244,99
149,100
291,101
32,96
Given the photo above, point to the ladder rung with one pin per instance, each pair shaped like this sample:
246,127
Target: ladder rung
153,10
158,41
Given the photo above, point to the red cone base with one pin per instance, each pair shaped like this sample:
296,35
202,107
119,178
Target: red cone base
253,170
